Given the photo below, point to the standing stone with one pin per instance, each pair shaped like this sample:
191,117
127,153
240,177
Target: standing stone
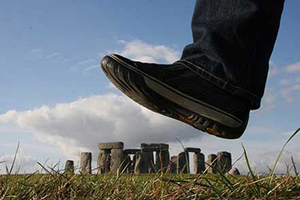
141,163
224,161
162,160
234,171
104,161
86,163
211,164
173,164
151,161
199,163
183,163
116,160
69,167
126,163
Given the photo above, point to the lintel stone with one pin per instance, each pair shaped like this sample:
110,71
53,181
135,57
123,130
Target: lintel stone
155,145
194,150
111,145
131,151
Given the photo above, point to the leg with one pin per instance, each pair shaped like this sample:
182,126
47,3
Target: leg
233,40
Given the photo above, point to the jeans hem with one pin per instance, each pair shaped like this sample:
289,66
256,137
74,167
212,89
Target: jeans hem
236,90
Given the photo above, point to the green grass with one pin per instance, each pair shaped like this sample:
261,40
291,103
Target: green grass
155,186
58,185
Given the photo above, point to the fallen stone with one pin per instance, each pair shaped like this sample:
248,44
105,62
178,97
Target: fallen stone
193,150
69,166
111,145
211,164
183,163
116,160
234,171
199,163
131,151
86,163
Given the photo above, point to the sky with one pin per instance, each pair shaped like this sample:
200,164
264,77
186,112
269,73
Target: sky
56,102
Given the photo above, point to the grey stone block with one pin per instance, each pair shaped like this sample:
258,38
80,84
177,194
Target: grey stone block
162,160
151,162
199,163
111,145
86,163
69,166
211,164
173,164
116,160
183,163
156,146
193,150
104,160
126,164
141,163
234,171
224,161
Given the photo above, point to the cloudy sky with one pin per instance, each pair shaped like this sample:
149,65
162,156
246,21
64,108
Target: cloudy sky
56,101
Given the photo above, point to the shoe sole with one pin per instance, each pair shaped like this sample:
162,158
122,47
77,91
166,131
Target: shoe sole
159,97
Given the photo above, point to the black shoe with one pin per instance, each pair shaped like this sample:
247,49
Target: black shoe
176,91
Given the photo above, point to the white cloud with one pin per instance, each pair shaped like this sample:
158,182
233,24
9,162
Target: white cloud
23,164
84,62
35,54
142,51
52,55
293,68
92,67
112,86
289,93
269,100
80,125
273,70
284,82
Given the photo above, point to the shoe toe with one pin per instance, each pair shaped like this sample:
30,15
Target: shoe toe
106,63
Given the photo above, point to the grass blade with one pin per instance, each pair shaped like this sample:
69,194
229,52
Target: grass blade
251,172
280,153
14,160
294,166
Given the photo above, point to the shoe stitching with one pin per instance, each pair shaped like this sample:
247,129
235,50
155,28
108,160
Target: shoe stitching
224,82
168,69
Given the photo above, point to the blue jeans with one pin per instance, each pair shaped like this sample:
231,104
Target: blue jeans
233,42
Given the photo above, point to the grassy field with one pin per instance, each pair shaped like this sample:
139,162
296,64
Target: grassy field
155,186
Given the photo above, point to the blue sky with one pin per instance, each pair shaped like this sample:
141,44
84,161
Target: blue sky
51,83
